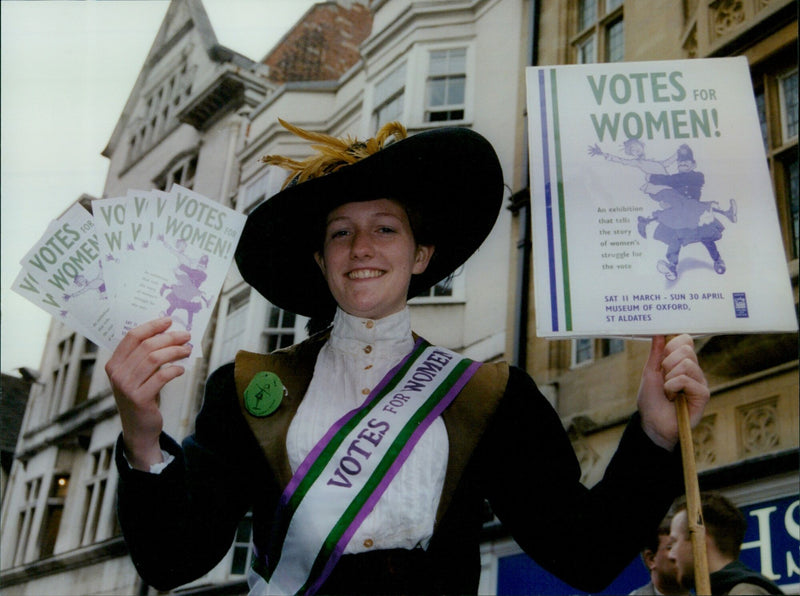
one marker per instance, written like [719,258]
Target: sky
[66,69]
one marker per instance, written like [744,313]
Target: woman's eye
[386,230]
[339,233]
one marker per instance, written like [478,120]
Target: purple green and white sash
[345,474]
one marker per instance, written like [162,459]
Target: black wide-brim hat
[449,177]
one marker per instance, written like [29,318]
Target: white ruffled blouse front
[359,353]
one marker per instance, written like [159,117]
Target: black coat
[180,523]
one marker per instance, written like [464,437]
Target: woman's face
[369,256]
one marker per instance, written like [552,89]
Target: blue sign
[772,541]
[771,546]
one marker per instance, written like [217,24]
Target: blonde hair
[332,153]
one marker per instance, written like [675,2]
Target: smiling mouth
[365,273]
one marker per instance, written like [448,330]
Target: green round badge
[264,394]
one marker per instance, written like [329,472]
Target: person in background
[725,526]
[663,573]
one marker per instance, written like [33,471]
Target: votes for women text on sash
[344,476]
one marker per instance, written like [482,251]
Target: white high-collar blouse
[359,353]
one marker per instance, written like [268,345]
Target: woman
[365,454]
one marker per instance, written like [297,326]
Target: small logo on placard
[740,305]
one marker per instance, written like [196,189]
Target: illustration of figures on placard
[85,284]
[185,294]
[682,218]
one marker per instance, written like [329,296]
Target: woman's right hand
[137,374]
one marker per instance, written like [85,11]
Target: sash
[343,477]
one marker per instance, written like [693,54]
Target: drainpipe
[520,205]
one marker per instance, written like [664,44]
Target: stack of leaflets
[133,259]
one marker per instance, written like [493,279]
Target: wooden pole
[694,510]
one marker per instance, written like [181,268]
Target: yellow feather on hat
[332,152]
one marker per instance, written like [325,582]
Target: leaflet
[194,241]
[142,256]
[63,274]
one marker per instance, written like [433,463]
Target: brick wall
[323,45]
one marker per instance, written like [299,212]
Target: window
[85,371]
[761,108]
[611,346]
[450,289]
[615,42]
[582,351]
[264,187]
[585,350]
[235,325]
[59,373]
[389,94]
[157,114]
[279,329]
[52,515]
[99,518]
[242,552]
[445,87]
[600,31]
[791,173]
[788,97]
[66,380]
[776,96]
[587,13]
[27,512]
[181,172]
[586,51]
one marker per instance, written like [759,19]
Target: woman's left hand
[671,370]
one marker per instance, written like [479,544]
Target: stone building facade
[746,445]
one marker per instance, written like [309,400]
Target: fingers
[137,364]
[677,349]
[160,375]
[656,353]
[684,385]
[146,338]
[682,372]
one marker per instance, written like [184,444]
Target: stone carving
[725,15]
[758,427]
[705,447]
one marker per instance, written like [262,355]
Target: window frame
[457,295]
[158,109]
[786,137]
[607,14]
[261,188]
[247,546]
[384,99]
[781,152]
[99,489]
[181,170]
[414,89]
[447,77]
[597,349]
[577,347]
[27,518]
[52,515]
[268,331]
[240,300]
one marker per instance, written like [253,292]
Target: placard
[651,203]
